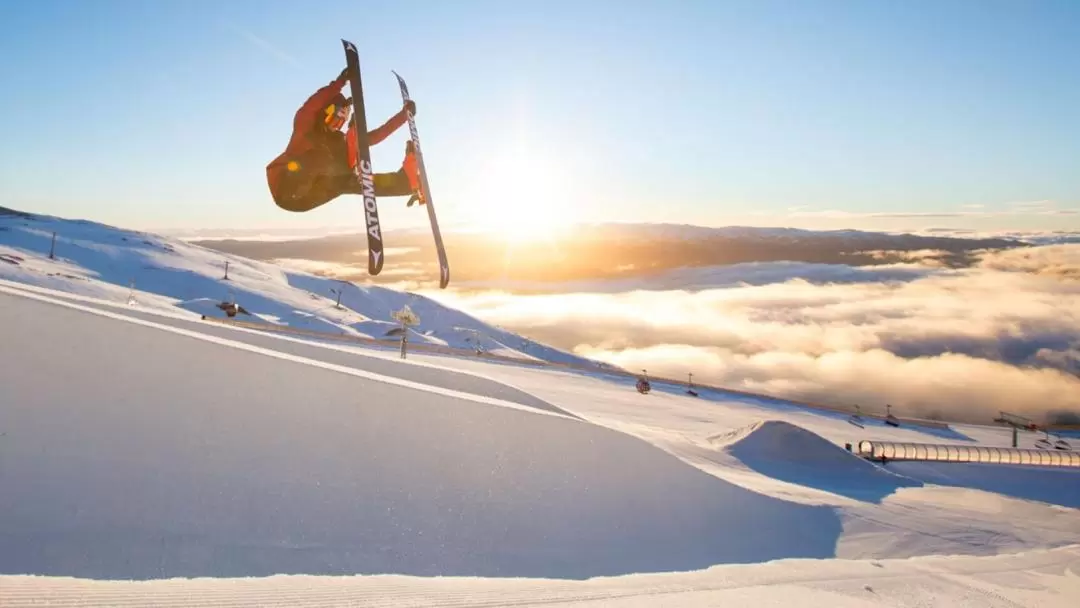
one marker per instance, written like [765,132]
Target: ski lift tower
[338,291]
[476,338]
[1017,423]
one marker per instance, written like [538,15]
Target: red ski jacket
[309,131]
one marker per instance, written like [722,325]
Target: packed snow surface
[151,458]
[261,466]
[159,273]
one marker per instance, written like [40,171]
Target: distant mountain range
[609,250]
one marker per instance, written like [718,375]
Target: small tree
[407,318]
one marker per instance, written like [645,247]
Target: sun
[521,198]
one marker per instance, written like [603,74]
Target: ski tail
[425,191]
[363,169]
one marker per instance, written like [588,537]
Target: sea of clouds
[957,344]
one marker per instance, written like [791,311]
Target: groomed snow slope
[329,459]
[972,509]
[1038,579]
[206,457]
[189,456]
[158,273]
[182,457]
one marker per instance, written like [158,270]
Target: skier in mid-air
[317,165]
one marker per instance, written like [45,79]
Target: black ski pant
[321,177]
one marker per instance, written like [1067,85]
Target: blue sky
[860,114]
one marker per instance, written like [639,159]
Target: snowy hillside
[154,272]
[149,457]
[207,465]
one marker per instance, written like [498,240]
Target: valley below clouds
[937,326]
[949,343]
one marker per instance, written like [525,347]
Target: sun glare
[521,199]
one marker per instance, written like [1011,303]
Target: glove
[410,107]
[344,75]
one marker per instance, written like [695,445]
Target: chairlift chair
[856,418]
[1043,443]
[889,418]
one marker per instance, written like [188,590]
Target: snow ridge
[159,273]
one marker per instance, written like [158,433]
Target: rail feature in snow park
[889,450]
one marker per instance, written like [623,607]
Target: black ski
[364,172]
[425,198]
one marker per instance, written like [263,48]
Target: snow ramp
[188,456]
[790,453]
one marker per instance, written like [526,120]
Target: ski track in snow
[1048,579]
[328,353]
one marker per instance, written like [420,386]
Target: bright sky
[165,114]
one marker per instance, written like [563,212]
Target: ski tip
[375,261]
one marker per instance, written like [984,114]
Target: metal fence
[878,450]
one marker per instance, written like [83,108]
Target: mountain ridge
[609,250]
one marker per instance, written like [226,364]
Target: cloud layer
[958,344]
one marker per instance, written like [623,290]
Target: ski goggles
[336,116]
